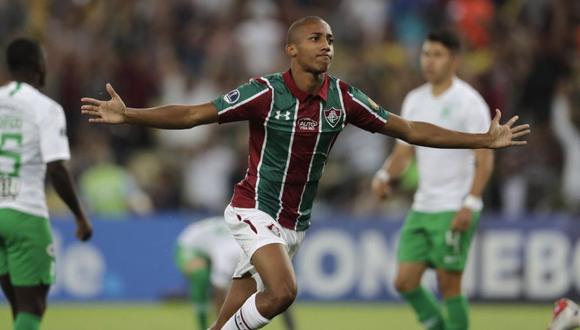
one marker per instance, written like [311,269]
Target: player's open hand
[505,135]
[106,112]
[84,229]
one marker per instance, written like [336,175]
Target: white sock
[247,317]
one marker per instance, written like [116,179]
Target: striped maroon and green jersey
[291,134]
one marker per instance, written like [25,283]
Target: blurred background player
[207,255]
[295,118]
[566,315]
[438,230]
[33,142]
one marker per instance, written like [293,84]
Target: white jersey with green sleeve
[446,175]
[32,133]
[213,238]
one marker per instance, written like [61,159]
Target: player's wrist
[383,176]
[473,203]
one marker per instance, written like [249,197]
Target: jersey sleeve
[53,138]
[479,118]
[363,112]
[246,102]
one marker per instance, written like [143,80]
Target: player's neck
[29,78]
[441,87]
[306,81]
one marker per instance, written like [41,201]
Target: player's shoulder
[420,92]
[467,91]
[39,99]
[417,94]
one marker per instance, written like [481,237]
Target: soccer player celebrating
[294,119]
[447,205]
[32,142]
[207,255]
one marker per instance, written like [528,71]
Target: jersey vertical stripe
[340,98]
[309,171]
[281,200]
[259,167]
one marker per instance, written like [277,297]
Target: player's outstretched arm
[114,111]
[62,182]
[429,135]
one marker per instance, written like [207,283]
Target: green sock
[457,313]
[27,321]
[199,292]
[426,308]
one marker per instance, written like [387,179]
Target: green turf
[309,317]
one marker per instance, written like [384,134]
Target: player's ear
[291,50]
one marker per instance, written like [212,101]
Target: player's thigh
[414,245]
[254,230]
[29,251]
[450,248]
[449,282]
[273,264]
[3,257]
[409,275]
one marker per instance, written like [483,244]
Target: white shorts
[253,229]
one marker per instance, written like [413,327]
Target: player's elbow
[412,134]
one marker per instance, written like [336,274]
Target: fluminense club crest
[332,116]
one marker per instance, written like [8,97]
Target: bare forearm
[483,170]
[172,116]
[429,135]
[399,160]
[63,185]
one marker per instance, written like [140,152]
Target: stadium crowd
[522,56]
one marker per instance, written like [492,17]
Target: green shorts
[26,249]
[425,237]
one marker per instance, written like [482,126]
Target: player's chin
[321,67]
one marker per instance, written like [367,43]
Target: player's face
[313,49]
[437,62]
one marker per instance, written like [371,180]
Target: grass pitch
[115,316]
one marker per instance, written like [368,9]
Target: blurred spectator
[110,191]
[566,126]
[189,51]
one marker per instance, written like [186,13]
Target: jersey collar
[301,95]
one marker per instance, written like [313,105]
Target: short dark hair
[291,34]
[24,55]
[448,38]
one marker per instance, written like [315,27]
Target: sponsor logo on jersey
[332,116]
[307,124]
[284,115]
[232,97]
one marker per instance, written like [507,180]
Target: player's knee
[36,308]
[283,296]
[405,284]
[449,286]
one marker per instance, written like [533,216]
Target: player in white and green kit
[32,142]
[294,119]
[446,208]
